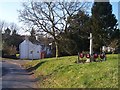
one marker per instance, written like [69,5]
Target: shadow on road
[4,71]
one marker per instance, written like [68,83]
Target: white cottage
[28,50]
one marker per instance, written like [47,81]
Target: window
[31,52]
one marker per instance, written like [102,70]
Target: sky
[9,13]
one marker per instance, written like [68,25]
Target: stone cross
[91,46]
[91,49]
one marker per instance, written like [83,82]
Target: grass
[65,73]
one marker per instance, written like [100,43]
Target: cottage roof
[35,42]
[26,37]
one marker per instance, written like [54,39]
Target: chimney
[36,38]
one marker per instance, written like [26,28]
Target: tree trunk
[56,45]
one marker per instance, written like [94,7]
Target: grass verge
[65,73]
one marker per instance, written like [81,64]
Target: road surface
[14,76]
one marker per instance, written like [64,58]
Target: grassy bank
[64,73]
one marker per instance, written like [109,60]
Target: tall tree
[10,42]
[7,31]
[14,32]
[104,23]
[77,33]
[50,17]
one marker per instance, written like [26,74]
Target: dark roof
[35,42]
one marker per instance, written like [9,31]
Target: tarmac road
[14,76]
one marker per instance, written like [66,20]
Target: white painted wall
[29,50]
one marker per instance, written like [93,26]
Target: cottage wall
[29,50]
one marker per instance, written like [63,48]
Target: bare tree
[13,26]
[3,26]
[50,17]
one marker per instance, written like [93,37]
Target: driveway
[14,76]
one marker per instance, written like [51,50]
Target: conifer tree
[104,23]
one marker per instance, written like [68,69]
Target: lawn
[65,73]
